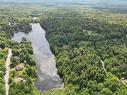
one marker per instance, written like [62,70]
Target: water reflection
[45,60]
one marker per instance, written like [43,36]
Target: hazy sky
[90,1]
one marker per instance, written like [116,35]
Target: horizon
[66,1]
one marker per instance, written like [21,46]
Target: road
[7,66]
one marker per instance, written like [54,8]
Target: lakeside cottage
[19,67]
[19,79]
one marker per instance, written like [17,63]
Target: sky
[66,1]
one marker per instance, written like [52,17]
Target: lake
[45,60]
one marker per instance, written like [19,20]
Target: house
[18,79]
[19,67]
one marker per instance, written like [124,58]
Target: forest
[89,45]
[90,49]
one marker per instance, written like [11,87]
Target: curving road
[6,77]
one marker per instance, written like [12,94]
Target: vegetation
[90,49]
[4,44]
[3,54]
[23,68]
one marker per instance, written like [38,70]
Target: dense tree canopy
[90,49]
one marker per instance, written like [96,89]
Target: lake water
[45,60]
